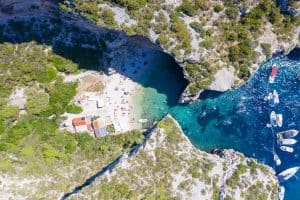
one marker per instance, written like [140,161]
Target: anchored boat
[273,119]
[286,141]
[287,134]
[276,97]
[277,159]
[281,191]
[288,173]
[273,98]
[287,149]
[279,119]
[273,74]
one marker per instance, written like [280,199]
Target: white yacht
[281,191]
[277,160]
[279,119]
[288,173]
[287,134]
[275,97]
[287,149]
[273,119]
[270,99]
[286,141]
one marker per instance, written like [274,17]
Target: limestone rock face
[168,165]
[195,41]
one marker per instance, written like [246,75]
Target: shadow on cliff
[91,47]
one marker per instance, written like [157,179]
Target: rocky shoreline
[232,174]
[109,47]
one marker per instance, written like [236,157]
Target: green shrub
[9,112]
[187,8]
[232,12]
[207,44]
[198,28]
[60,95]
[51,154]
[163,40]
[63,65]
[243,72]
[202,4]
[108,17]
[75,109]
[46,75]
[266,48]
[37,101]
[218,8]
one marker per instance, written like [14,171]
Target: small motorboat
[275,97]
[279,119]
[277,159]
[273,74]
[273,119]
[281,191]
[270,99]
[286,141]
[288,173]
[143,120]
[287,134]
[286,149]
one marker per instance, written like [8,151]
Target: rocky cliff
[220,44]
[168,166]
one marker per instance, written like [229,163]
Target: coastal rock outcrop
[168,166]
[206,37]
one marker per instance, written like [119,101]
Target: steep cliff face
[207,38]
[69,35]
[168,166]
[218,44]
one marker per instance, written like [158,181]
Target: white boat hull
[287,134]
[287,141]
[288,173]
[287,149]
[277,160]
[279,120]
[281,191]
[273,119]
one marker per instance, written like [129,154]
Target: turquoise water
[235,119]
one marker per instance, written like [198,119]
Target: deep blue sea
[235,119]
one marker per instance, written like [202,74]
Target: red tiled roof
[89,127]
[96,124]
[78,121]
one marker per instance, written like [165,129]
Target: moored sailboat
[288,173]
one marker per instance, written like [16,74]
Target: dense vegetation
[32,136]
[226,31]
